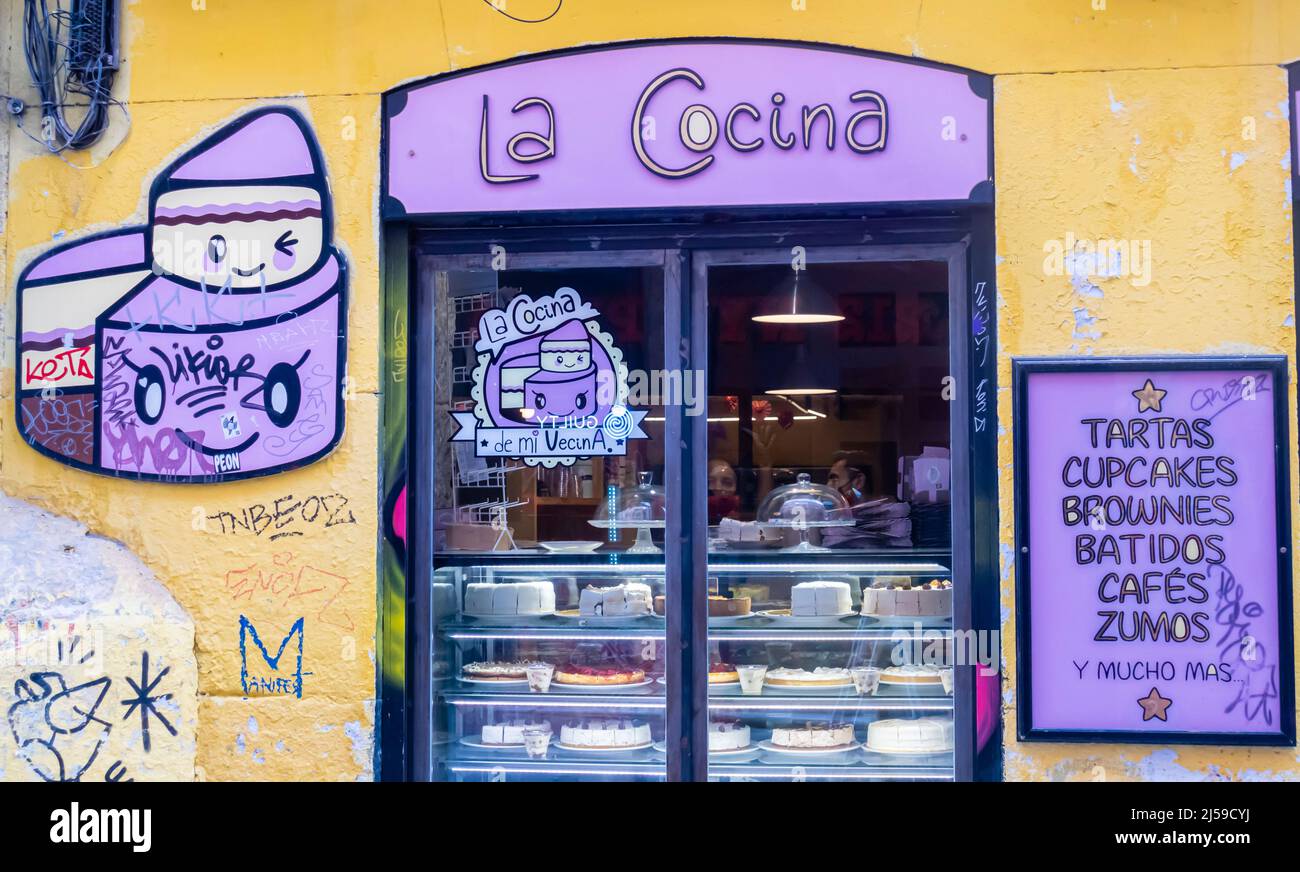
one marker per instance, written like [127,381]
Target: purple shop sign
[1152,598]
[687,123]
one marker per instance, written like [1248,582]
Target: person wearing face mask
[724,502]
[848,477]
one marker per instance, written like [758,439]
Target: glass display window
[760,574]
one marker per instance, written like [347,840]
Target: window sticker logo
[549,387]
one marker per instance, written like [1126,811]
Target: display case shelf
[650,698]
[847,561]
[860,772]
[650,765]
[555,769]
[770,633]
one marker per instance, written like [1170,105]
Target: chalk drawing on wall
[207,345]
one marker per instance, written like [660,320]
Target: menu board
[1153,574]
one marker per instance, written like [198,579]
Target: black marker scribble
[1259,688]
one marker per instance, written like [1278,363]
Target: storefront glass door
[549,500]
[829,472]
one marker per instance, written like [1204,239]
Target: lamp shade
[809,370]
[798,300]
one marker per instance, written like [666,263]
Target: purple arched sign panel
[686,124]
[1153,588]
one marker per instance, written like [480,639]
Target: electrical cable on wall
[72,63]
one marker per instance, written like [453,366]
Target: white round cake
[914,675]
[822,676]
[510,732]
[822,737]
[605,734]
[910,736]
[496,670]
[728,736]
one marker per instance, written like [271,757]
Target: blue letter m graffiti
[280,682]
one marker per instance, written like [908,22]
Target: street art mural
[207,345]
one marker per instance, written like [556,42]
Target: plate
[767,745]
[470,743]
[576,615]
[496,682]
[572,547]
[912,691]
[828,689]
[906,622]
[737,545]
[927,754]
[505,620]
[735,620]
[574,749]
[783,616]
[599,688]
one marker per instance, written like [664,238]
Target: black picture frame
[1022,369]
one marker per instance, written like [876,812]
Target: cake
[913,675]
[731,530]
[510,598]
[496,670]
[822,676]
[719,606]
[757,594]
[723,673]
[565,384]
[444,599]
[728,607]
[510,732]
[567,348]
[821,598]
[910,736]
[605,734]
[932,599]
[573,674]
[728,736]
[823,737]
[514,372]
[621,600]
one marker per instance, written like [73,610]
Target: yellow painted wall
[1123,122]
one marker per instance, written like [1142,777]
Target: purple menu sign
[687,123]
[1153,593]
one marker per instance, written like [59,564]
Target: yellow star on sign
[1149,397]
[1155,706]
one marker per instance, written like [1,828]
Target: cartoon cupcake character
[224,361]
[566,383]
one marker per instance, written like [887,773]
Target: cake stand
[644,543]
[804,546]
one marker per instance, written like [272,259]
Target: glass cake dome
[642,508]
[803,506]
